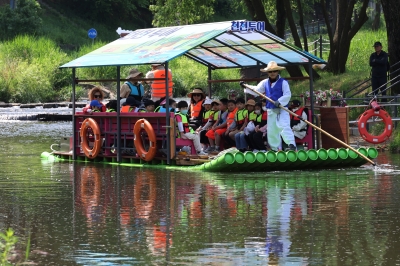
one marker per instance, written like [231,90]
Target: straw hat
[133,73]
[272,66]
[156,65]
[196,91]
[251,102]
[218,102]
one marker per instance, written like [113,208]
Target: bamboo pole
[314,126]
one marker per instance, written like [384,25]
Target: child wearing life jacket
[185,131]
[241,138]
[111,106]
[257,138]
[208,113]
[162,106]
[240,122]
[148,107]
[216,133]
[94,106]
[130,105]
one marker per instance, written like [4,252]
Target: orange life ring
[86,124]
[386,119]
[145,155]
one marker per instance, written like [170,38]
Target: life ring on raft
[151,153]
[362,126]
[90,152]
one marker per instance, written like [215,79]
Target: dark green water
[93,214]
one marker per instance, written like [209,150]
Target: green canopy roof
[211,44]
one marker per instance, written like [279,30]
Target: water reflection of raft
[236,161]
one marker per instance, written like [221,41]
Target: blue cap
[96,103]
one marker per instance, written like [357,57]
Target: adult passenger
[132,87]
[379,62]
[158,86]
[277,89]
[298,126]
[96,93]
[196,109]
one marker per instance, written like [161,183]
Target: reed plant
[7,243]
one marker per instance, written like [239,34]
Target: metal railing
[359,88]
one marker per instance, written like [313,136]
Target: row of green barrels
[290,160]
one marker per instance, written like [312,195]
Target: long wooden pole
[312,125]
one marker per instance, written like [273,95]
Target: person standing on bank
[379,63]
[158,86]
[277,89]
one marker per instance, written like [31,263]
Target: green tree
[346,28]
[391,9]
[181,12]
[25,19]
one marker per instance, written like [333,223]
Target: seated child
[207,121]
[94,106]
[185,131]
[162,107]
[218,130]
[298,126]
[148,107]
[240,122]
[130,105]
[111,106]
[241,137]
[258,136]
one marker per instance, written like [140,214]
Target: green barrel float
[302,158]
[372,153]
[312,158]
[223,162]
[358,160]
[291,159]
[332,157]
[266,160]
[239,164]
[322,156]
[281,159]
[45,155]
[250,160]
[342,156]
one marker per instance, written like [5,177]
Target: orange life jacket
[294,120]
[158,86]
[127,109]
[195,110]
[231,118]
[298,113]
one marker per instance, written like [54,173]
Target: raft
[236,161]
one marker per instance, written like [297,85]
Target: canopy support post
[168,125]
[209,83]
[118,115]
[73,115]
[310,71]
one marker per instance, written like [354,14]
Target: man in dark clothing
[380,66]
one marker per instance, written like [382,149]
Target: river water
[95,214]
